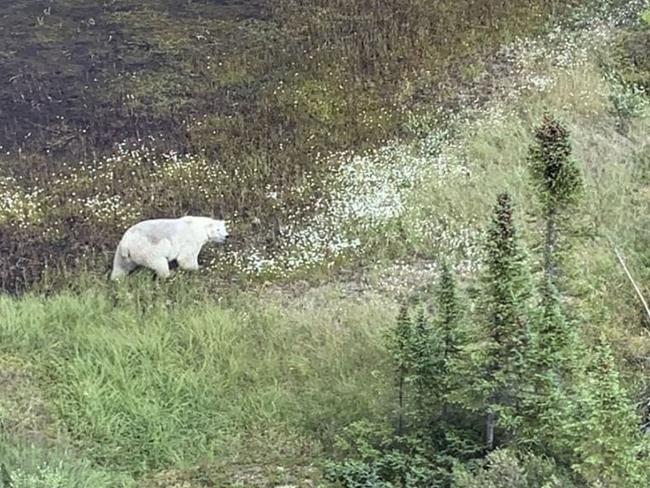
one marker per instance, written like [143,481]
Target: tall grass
[176,383]
[24,465]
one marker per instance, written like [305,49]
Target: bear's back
[156,229]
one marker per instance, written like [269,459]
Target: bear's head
[217,231]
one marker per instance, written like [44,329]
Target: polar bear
[154,243]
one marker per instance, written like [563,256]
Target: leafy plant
[645,17]
[505,467]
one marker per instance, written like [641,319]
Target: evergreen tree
[448,316]
[443,424]
[543,408]
[437,350]
[506,295]
[557,180]
[609,444]
[426,353]
[428,386]
[551,358]
[400,346]
[559,185]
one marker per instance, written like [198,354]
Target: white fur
[154,243]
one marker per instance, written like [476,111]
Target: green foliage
[416,354]
[506,294]
[507,468]
[375,458]
[400,341]
[645,17]
[433,430]
[628,99]
[28,466]
[611,449]
[551,367]
[45,477]
[514,364]
[142,384]
[550,357]
[559,185]
[400,344]
[628,72]
[530,375]
[437,349]
[448,315]
[555,336]
[555,174]
[427,366]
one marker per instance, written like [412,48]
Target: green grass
[149,384]
[27,466]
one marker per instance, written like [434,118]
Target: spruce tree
[558,183]
[551,358]
[451,339]
[609,444]
[448,312]
[427,384]
[424,356]
[543,410]
[400,345]
[506,295]
[437,348]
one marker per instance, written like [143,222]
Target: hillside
[140,109]
[355,149]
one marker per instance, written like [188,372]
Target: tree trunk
[550,245]
[489,430]
[400,418]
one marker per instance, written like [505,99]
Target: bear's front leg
[189,262]
[160,266]
[121,265]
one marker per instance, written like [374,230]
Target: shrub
[507,468]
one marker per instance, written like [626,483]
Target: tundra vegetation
[440,258]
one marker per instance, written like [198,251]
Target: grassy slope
[168,385]
[144,386]
[167,378]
